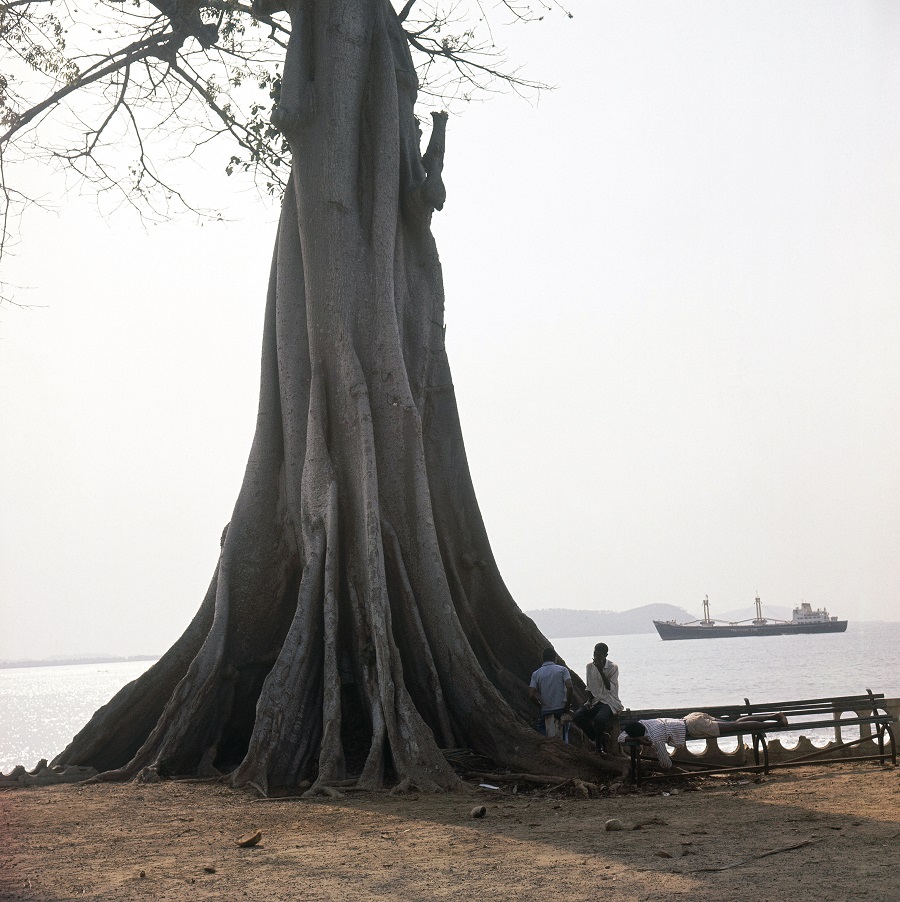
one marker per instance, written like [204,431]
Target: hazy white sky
[673,318]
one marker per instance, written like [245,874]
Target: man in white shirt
[551,688]
[595,715]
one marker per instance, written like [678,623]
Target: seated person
[594,716]
[659,732]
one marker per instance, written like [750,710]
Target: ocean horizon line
[76,659]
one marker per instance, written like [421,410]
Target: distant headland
[568,623]
[85,659]
[564,623]
[561,623]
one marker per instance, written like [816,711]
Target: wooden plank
[826,713]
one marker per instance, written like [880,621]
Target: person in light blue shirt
[551,688]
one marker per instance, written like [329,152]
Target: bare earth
[177,840]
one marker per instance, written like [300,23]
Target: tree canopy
[114,90]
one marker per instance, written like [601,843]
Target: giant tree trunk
[356,622]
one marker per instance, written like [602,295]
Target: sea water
[41,708]
[701,673]
[697,672]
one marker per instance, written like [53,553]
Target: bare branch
[195,71]
[401,16]
[130,55]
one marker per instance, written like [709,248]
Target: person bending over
[659,732]
[551,688]
[593,716]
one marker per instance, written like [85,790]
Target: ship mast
[706,619]
[759,616]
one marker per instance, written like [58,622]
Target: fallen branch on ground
[743,861]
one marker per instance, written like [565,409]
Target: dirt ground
[718,839]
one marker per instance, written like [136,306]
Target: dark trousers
[594,722]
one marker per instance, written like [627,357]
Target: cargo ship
[805,620]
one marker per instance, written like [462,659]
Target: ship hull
[732,631]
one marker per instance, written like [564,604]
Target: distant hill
[564,623]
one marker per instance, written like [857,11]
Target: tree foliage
[113,90]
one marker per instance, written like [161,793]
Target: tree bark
[357,622]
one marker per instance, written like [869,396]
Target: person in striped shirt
[660,732]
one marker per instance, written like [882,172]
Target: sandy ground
[716,840]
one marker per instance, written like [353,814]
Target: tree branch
[401,16]
[130,55]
